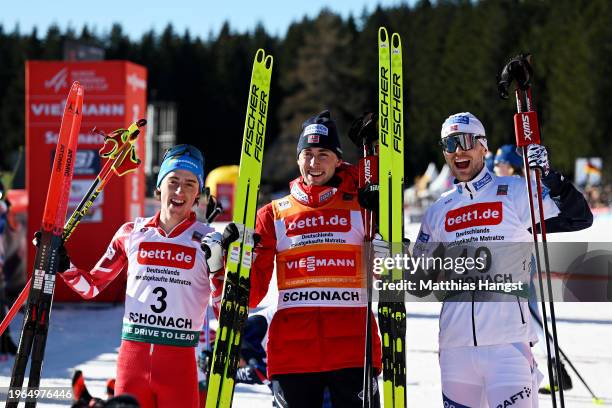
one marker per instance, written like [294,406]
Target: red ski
[36,319]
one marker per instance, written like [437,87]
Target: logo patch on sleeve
[502,189]
[423,237]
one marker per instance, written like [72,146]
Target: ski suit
[168,288]
[315,234]
[485,355]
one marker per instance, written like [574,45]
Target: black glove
[63,263]
[518,69]
[231,234]
[364,130]
[368,197]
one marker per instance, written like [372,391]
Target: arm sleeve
[565,208]
[89,283]
[574,212]
[217,279]
[263,264]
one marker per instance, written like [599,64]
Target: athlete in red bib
[169,284]
[316,338]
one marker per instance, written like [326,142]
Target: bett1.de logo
[332,220]
[474,215]
[165,254]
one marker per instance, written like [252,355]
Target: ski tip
[396,41]
[141,122]
[260,55]
[77,89]
[268,62]
[382,34]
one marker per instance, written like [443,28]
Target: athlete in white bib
[169,284]
[485,355]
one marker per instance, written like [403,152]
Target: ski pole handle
[116,157]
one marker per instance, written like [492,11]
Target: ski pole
[36,319]
[115,165]
[16,306]
[117,158]
[217,208]
[364,134]
[527,132]
[596,399]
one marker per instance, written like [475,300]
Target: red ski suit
[167,292]
[315,236]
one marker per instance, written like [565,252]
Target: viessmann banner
[115,96]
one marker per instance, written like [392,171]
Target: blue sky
[200,17]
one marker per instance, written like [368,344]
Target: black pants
[305,390]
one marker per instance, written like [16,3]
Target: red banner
[115,96]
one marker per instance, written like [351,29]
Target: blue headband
[183,162]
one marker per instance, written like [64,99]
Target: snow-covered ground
[87,336]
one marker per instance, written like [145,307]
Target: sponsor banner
[55,77]
[328,220]
[166,254]
[50,138]
[321,297]
[48,111]
[115,96]
[490,213]
[158,335]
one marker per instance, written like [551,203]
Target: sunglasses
[184,149]
[467,141]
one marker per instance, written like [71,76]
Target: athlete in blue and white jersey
[485,354]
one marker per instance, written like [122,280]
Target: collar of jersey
[477,185]
[312,196]
[177,230]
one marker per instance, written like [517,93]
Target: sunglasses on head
[467,141]
[183,149]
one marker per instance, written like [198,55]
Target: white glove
[538,158]
[381,248]
[212,247]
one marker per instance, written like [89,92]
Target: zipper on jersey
[473,321]
[520,310]
[469,191]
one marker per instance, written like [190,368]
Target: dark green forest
[453,51]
